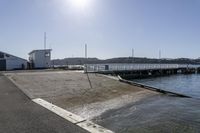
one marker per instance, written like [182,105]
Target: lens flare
[81,4]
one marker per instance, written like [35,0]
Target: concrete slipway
[117,106]
[18,114]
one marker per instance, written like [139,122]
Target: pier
[131,71]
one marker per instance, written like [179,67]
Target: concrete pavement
[18,114]
[71,91]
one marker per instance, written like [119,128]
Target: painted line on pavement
[75,119]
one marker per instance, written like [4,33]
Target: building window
[47,54]
[7,55]
[1,55]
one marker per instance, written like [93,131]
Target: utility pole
[45,40]
[86,51]
[160,58]
[133,53]
[159,54]
[86,69]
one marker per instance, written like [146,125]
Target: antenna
[85,50]
[160,58]
[159,54]
[133,53]
[45,40]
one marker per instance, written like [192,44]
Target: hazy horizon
[110,28]
[123,57]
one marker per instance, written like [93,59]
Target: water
[184,84]
[159,113]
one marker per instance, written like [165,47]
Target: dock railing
[134,67]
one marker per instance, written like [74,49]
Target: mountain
[74,61]
[81,61]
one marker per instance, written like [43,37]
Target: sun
[81,4]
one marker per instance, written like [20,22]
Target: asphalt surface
[18,114]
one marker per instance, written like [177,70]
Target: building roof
[13,55]
[40,50]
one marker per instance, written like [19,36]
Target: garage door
[2,65]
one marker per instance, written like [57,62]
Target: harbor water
[184,84]
[161,113]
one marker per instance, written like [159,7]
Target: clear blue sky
[111,28]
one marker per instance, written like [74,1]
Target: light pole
[86,51]
[133,54]
[45,40]
[160,59]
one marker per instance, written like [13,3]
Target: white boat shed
[40,59]
[11,62]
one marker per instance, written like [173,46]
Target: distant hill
[74,61]
[81,61]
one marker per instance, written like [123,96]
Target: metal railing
[129,67]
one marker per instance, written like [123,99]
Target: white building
[40,59]
[11,62]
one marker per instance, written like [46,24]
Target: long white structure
[11,62]
[40,58]
[134,67]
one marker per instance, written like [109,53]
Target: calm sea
[184,84]
[160,113]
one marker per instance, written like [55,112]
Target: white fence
[136,67]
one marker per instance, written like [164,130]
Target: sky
[110,28]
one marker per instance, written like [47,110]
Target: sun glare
[81,4]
